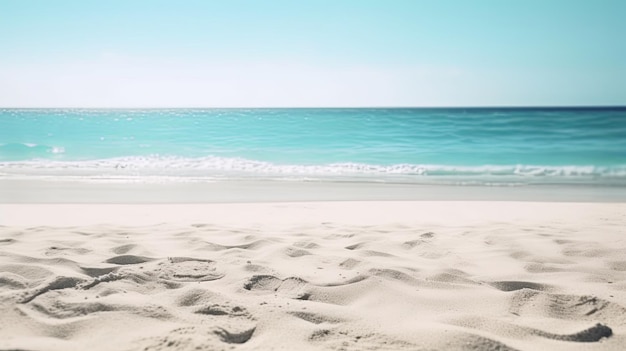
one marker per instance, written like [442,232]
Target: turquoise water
[501,146]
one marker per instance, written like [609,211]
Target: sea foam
[214,167]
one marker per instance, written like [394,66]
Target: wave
[224,168]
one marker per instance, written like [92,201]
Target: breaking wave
[224,168]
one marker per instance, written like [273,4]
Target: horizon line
[305,107]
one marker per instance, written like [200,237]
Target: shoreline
[56,191]
[285,214]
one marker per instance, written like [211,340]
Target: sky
[324,53]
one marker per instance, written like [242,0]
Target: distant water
[494,146]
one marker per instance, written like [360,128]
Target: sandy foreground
[372,275]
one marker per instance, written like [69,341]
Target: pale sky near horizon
[237,53]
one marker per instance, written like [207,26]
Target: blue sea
[460,146]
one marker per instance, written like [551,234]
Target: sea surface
[460,146]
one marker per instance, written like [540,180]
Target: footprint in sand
[300,289]
[223,321]
[186,269]
[571,307]
[206,302]
[170,273]
[293,287]
[198,338]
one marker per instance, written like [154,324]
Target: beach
[313,275]
[313,229]
[312,175]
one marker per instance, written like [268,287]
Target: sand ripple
[332,286]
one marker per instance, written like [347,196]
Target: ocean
[457,146]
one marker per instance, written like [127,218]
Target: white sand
[326,275]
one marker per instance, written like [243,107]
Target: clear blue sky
[228,53]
